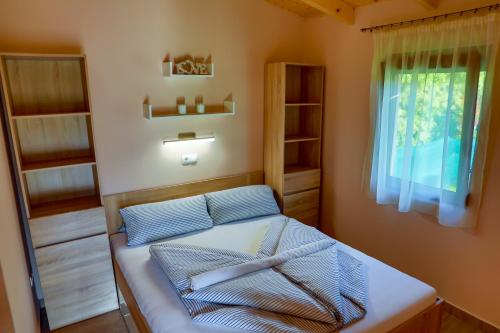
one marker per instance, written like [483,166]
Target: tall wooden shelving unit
[292,137]
[50,123]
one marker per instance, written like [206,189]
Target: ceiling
[343,10]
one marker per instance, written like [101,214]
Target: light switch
[189,159]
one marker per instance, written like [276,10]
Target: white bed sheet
[393,297]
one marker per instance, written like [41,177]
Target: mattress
[393,297]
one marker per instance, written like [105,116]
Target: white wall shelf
[227,108]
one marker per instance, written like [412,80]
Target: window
[431,93]
[433,126]
[434,165]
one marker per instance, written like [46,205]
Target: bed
[403,304]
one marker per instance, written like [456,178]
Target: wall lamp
[190,136]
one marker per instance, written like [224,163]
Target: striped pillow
[241,203]
[149,222]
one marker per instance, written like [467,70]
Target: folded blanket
[298,282]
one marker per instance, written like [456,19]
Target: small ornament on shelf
[200,107]
[181,105]
[188,66]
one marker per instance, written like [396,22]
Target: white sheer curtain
[431,103]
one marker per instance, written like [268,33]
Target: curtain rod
[421,20]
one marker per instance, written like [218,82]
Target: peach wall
[463,265]
[12,257]
[125,42]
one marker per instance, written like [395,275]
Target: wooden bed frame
[427,321]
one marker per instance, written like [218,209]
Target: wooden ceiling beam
[429,4]
[336,8]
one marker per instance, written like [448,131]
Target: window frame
[468,62]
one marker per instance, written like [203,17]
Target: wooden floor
[113,323]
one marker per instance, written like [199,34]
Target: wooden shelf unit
[293,137]
[50,120]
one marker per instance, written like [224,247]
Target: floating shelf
[226,109]
[55,164]
[51,115]
[168,71]
[64,206]
[300,138]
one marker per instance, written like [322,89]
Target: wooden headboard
[113,202]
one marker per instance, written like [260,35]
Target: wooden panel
[309,217]
[63,206]
[69,226]
[53,138]
[77,280]
[274,128]
[428,321]
[357,3]
[6,324]
[429,4]
[336,8]
[45,85]
[299,181]
[139,320]
[303,206]
[114,202]
[297,7]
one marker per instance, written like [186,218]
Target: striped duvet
[297,282]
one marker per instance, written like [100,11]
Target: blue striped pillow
[149,222]
[241,203]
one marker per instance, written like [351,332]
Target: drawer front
[303,206]
[77,280]
[69,226]
[300,181]
[309,217]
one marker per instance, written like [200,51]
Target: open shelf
[302,123]
[58,189]
[44,85]
[52,164]
[228,108]
[300,138]
[305,154]
[50,115]
[301,104]
[54,141]
[304,85]
[64,206]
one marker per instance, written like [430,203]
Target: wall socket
[189,159]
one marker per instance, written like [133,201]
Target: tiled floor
[113,323]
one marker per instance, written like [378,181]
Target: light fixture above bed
[190,136]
